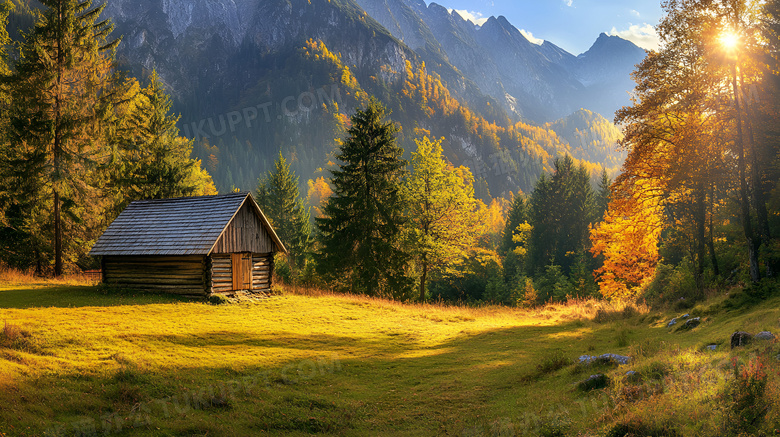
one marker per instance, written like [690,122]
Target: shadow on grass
[75,296]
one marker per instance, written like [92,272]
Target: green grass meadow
[85,360]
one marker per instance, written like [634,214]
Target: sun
[729,40]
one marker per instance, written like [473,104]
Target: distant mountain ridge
[248,80]
[535,82]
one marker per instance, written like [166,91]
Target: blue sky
[571,24]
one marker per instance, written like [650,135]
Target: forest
[694,209]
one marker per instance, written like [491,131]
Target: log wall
[185,275]
[262,271]
[221,272]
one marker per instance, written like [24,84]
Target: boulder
[712,347]
[740,338]
[692,323]
[672,322]
[685,316]
[594,382]
[605,359]
[765,335]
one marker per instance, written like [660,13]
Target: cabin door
[242,270]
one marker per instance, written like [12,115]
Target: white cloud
[530,37]
[474,17]
[568,2]
[635,13]
[644,36]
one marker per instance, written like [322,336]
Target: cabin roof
[179,226]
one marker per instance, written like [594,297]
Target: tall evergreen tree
[518,215]
[155,161]
[561,211]
[362,225]
[602,196]
[278,197]
[60,91]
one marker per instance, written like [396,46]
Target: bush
[218,299]
[595,382]
[745,401]
[552,362]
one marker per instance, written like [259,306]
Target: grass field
[82,360]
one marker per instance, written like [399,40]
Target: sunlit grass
[310,361]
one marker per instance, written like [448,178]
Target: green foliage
[278,198]
[441,211]
[552,284]
[154,161]
[470,280]
[361,230]
[562,208]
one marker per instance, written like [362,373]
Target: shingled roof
[180,226]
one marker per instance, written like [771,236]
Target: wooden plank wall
[185,275]
[262,271]
[221,278]
[245,233]
[221,274]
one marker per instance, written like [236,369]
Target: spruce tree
[278,197]
[155,160]
[361,229]
[518,215]
[60,92]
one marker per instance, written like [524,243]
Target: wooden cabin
[193,246]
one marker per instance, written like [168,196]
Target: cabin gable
[244,234]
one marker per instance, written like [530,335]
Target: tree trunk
[423,278]
[711,240]
[747,226]
[57,151]
[700,217]
[759,201]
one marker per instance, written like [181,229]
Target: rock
[765,335]
[672,322]
[594,382]
[712,347]
[740,338]
[685,316]
[630,373]
[692,323]
[605,359]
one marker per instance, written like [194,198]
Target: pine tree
[361,229]
[602,196]
[60,91]
[278,197]
[441,209]
[155,161]
[517,216]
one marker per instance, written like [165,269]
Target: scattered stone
[605,359]
[712,347]
[692,323]
[777,357]
[685,316]
[594,382]
[765,335]
[672,322]
[630,373]
[740,338]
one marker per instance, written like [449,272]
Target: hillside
[75,359]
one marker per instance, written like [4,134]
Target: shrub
[14,337]
[218,299]
[745,401]
[552,362]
